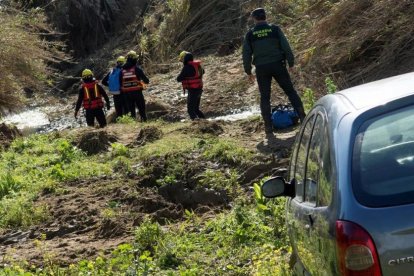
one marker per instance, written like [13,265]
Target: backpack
[114,83]
[284,116]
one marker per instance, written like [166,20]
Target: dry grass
[196,26]
[364,40]
[23,55]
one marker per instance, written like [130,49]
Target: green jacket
[267,44]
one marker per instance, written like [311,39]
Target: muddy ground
[92,217]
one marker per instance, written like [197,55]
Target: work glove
[108,106]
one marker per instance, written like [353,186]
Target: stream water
[60,117]
[42,119]
[238,114]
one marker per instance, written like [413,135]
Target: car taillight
[357,255]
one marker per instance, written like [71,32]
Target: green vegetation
[227,180]
[227,151]
[126,119]
[309,99]
[251,237]
[330,85]
[38,164]
[238,242]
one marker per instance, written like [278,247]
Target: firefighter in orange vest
[90,94]
[133,81]
[191,77]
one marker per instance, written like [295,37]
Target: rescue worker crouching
[133,81]
[113,82]
[191,77]
[90,94]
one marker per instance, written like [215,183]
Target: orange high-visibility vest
[130,82]
[196,81]
[92,99]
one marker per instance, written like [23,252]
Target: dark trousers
[193,103]
[136,99]
[278,71]
[98,113]
[119,105]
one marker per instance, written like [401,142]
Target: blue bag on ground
[284,116]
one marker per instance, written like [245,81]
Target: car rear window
[383,160]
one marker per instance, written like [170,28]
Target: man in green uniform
[267,48]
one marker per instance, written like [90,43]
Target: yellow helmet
[182,55]
[132,54]
[87,73]
[121,59]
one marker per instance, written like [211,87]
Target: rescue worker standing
[191,77]
[90,94]
[113,82]
[133,80]
[267,48]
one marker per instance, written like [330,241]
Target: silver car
[351,183]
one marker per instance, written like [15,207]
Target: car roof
[379,92]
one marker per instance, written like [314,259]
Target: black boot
[301,113]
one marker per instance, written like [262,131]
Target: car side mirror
[276,187]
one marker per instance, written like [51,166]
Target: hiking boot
[301,114]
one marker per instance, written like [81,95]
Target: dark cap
[259,14]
